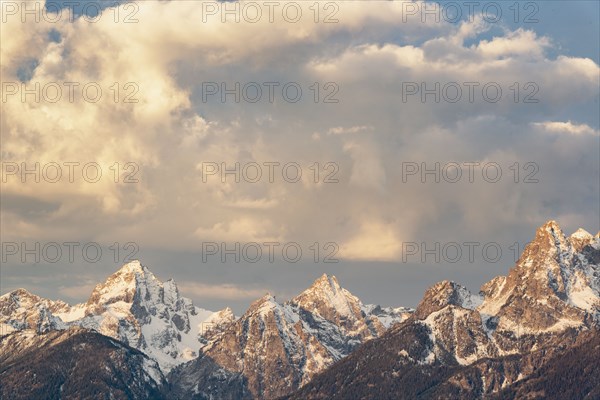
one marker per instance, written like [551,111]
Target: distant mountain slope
[461,345]
[274,348]
[132,305]
[572,375]
[74,364]
[530,334]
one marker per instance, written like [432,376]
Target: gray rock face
[554,286]
[20,310]
[275,348]
[460,345]
[271,350]
[455,345]
[132,306]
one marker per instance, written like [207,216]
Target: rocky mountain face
[271,350]
[473,346]
[572,374]
[132,306]
[75,364]
[519,337]
[21,310]
[275,348]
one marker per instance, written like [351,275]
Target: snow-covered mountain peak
[325,287]
[133,266]
[21,309]
[550,234]
[327,282]
[581,234]
[20,296]
[132,305]
[555,283]
[551,226]
[219,318]
[263,305]
[275,346]
[547,252]
[551,258]
[447,293]
[20,292]
[554,286]
[328,299]
[581,238]
[123,285]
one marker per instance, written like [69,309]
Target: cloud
[517,43]
[368,135]
[338,130]
[375,241]
[220,291]
[240,230]
[569,128]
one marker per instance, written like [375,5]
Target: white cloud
[374,241]
[368,134]
[339,130]
[568,127]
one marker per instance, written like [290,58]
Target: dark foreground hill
[74,364]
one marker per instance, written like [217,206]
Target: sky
[392,144]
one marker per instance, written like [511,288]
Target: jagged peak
[325,285]
[267,301]
[493,286]
[551,224]
[550,244]
[133,266]
[580,238]
[328,299]
[581,234]
[549,240]
[132,271]
[446,293]
[123,284]
[550,229]
[327,281]
[170,284]
[224,314]
[446,287]
[20,293]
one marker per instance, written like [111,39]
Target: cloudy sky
[378,134]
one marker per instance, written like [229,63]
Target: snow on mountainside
[463,345]
[554,285]
[20,310]
[326,299]
[132,305]
[75,363]
[275,348]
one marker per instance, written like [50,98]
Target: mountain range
[137,337]
[488,345]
